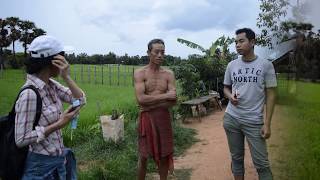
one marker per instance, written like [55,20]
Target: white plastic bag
[112,129]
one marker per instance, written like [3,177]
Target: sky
[126,26]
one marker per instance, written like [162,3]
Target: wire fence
[105,74]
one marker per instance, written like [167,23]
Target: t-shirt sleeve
[270,76]
[227,76]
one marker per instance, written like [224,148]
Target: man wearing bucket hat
[47,157]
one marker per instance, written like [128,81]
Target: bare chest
[156,83]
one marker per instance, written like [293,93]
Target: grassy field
[300,156]
[96,158]
[107,74]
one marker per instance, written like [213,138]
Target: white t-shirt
[250,80]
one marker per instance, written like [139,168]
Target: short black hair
[154,41]
[249,33]
[35,65]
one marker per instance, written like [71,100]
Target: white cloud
[100,26]
[313,13]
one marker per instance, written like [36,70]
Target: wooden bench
[197,105]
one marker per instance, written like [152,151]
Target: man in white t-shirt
[249,83]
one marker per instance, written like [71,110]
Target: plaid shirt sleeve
[65,94]
[25,108]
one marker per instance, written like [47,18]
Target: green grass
[108,74]
[302,121]
[10,83]
[96,158]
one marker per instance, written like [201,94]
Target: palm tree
[26,34]
[15,33]
[29,33]
[4,40]
[37,32]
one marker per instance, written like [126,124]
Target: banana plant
[218,48]
[192,45]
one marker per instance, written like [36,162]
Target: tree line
[13,29]
[112,58]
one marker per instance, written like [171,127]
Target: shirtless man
[156,93]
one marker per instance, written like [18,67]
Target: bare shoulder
[167,71]
[140,72]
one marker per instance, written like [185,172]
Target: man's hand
[265,131]
[61,63]
[172,95]
[234,100]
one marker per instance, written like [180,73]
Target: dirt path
[209,159]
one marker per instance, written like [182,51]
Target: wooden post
[88,71]
[132,76]
[118,74]
[75,73]
[125,76]
[95,74]
[109,74]
[81,74]
[102,74]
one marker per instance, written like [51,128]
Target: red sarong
[155,136]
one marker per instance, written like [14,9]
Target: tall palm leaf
[219,48]
[214,49]
[192,45]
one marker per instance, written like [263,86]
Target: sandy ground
[209,159]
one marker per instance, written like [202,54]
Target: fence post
[101,73]
[81,74]
[109,74]
[88,72]
[132,79]
[95,74]
[118,74]
[75,73]
[125,76]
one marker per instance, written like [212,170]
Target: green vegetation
[96,158]
[301,119]
[107,74]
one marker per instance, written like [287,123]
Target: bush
[16,62]
[189,79]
